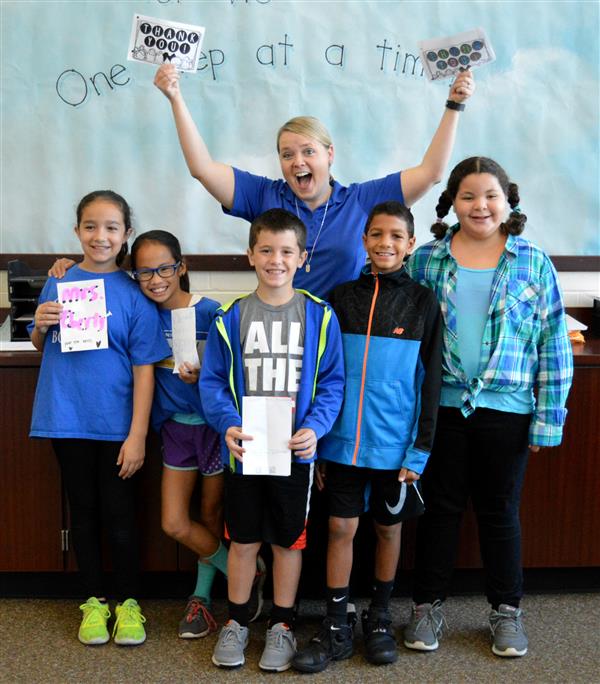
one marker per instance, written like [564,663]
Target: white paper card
[445,57]
[573,324]
[269,421]
[83,320]
[158,41]
[183,322]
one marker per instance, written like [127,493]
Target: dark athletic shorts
[268,508]
[191,447]
[350,488]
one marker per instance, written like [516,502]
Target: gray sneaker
[508,636]
[197,620]
[280,648]
[255,602]
[230,646]
[424,627]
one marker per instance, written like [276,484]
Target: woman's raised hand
[167,80]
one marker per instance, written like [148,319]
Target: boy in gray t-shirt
[276,341]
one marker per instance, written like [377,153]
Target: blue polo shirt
[339,253]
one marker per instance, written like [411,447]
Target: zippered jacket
[321,389]
[392,337]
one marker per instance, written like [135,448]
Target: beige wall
[578,288]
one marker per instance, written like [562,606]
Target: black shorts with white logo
[352,491]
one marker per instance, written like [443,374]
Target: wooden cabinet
[560,510]
[560,505]
[33,511]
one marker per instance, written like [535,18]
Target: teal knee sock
[219,559]
[204,580]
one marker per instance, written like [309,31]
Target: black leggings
[99,500]
[484,458]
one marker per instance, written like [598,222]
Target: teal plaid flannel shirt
[525,342]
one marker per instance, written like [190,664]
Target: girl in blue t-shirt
[334,215]
[95,404]
[190,446]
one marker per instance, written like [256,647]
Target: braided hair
[515,223]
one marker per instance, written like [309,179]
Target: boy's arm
[329,392]
[431,356]
[216,177]
[555,371]
[218,402]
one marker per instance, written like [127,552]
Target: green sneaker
[92,630]
[129,625]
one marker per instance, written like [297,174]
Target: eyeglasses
[145,274]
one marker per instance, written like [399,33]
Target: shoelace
[128,613]
[199,607]
[231,634]
[428,616]
[90,607]
[275,638]
[502,622]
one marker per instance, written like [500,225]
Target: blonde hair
[309,126]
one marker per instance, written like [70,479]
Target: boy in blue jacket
[378,447]
[276,341]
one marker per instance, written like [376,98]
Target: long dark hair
[117,200]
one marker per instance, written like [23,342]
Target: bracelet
[456,106]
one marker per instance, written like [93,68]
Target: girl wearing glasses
[190,446]
[94,405]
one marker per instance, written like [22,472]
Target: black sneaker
[333,642]
[380,644]
[351,615]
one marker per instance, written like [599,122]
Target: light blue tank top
[473,288]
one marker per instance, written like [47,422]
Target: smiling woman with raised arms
[333,214]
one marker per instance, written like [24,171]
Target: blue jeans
[482,457]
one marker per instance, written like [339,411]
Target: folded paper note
[268,420]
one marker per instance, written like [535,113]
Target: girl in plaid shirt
[504,336]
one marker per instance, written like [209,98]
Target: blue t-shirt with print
[89,394]
[336,236]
